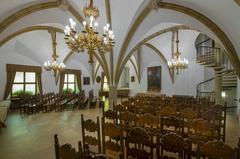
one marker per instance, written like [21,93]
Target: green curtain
[79,81]
[61,84]
[39,84]
[9,83]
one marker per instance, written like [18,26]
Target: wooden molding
[29,29]
[38,7]
[135,68]
[24,12]
[238,2]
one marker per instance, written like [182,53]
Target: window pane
[64,86]
[71,86]
[71,78]
[65,79]
[105,79]
[16,88]
[30,88]
[18,77]
[30,77]
[105,87]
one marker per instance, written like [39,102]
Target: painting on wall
[154,78]
[86,80]
[98,79]
[132,78]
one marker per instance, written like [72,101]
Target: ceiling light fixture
[89,39]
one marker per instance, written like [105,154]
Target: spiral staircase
[212,56]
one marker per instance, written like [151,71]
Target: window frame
[67,82]
[24,83]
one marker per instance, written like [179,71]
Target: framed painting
[132,78]
[98,79]
[86,80]
[154,78]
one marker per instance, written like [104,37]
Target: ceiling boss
[89,39]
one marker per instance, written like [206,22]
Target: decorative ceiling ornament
[154,4]
[178,63]
[54,65]
[89,39]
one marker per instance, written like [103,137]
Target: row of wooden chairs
[50,101]
[137,142]
[215,114]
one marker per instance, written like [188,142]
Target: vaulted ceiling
[131,20]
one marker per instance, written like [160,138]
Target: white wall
[186,81]
[209,73]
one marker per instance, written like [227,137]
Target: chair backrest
[141,139]
[149,120]
[171,124]
[91,127]
[188,114]
[110,115]
[203,130]
[173,143]
[112,138]
[65,151]
[127,118]
[168,111]
[217,149]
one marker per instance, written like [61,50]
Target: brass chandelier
[89,39]
[178,63]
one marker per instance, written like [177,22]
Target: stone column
[112,96]
[218,89]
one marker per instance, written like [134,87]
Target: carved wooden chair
[138,141]
[112,139]
[110,116]
[173,143]
[217,150]
[66,151]
[89,126]
[127,119]
[187,115]
[168,111]
[171,124]
[200,132]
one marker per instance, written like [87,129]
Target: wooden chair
[173,143]
[171,124]
[187,115]
[168,111]
[113,146]
[217,150]
[66,151]
[140,139]
[110,116]
[127,119]
[91,127]
[200,132]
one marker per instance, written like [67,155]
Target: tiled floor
[31,137]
